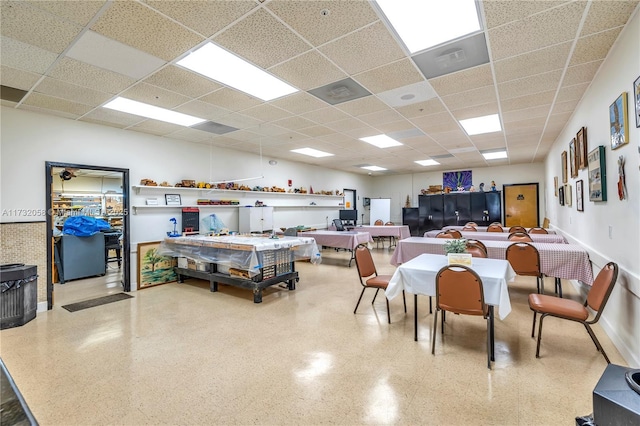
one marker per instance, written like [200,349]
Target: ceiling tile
[111,117]
[133,24]
[534,32]
[306,19]
[265,112]
[230,99]
[315,131]
[308,71]
[60,89]
[204,17]
[594,47]
[362,106]
[52,111]
[380,117]
[347,124]
[397,74]
[45,31]
[503,11]
[78,11]
[239,121]
[154,95]
[398,130]
[376,40]
[476,111]
[582,73]
[22,56]
[463,81]
[179,80]
[436,123]
[566,106]
[191,135]
[19,79]
[203,110]
[299,103]
[522,114]
[528,101]
[83,74]
[262,39]
[607,14]
[270,130]
[155,127]
[325,115]
[294,123]
[529,85]
[531,63]
[569,93]
[482,95]
[432,106]
[56,104]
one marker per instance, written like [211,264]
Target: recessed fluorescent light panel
[427,162]
[422,24]
[150,111]
[216,63]
[480,125]
[312,152]
[494,155]
[374,168]
[381,141]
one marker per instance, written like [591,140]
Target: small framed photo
[579,195]
[582,153]
[618,123]
[567,195]
[173,199]
[563,160]
[572,158]
[555,186]
[597,174]
[152,201]
[636,99]
[561,195]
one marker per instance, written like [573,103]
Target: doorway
[521,205]
[350,201]
[87,190]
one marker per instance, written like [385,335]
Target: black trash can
[18,294]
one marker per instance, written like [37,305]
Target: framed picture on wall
[581,147]
[618,122]
[561,195]
[597,175]
[153,268]
[572,158]
[563,164]
[579,199]
[555,186]
[567,195]
[636,99]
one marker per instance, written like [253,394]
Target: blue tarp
[83,226]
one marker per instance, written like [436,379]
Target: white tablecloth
[503,236]
[338,239]
[418,276]
[568,261]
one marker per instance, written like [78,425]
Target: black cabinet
[458,208]
[431,212]
[411,218]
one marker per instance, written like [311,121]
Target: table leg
[257,295]
[353,256]
[415,317]
[491,334]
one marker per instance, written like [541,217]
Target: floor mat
[96,302]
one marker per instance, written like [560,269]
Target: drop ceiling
[72,57]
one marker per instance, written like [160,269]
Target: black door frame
[49,165]
[354,201]
[504,199]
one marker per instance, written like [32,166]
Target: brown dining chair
[378,240]
[576,311]
[369,277]
[459,290]
[471,224]
[444,235]
[476,250]
[469,228]
[537,230]
[517,229]
[519,236]
[378,222]
[495,228]
[456,234]
[392,239]
[525,260]
[478,243]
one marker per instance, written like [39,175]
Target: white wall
[397,187]
[621,318]
[29,139]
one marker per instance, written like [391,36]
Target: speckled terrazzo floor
[178,354]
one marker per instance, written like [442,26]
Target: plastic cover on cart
[83,226]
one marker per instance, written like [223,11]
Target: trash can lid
[16,271]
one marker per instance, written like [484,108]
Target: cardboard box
[182,262]
[191,264]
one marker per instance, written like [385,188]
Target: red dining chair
[469,228]
[444,235]
[537,230]
[495,228]
[519,236]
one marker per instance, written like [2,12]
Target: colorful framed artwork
[597,175]
[563,161]
[567,195]
[555,186]
[572,158]
[153,268]
[636,99]
[579,195]
[561,195]
[618,123]
[581,147]
[457,181]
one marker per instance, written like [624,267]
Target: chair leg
[430,309]
[596,342]
[404,300]
[388,312]
[442,320]
[488,343]
[533,327]
[539,336]
[359,299]
[558,287]
[433,333]
[375,295]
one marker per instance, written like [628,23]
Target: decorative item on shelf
[148,182]
[622,184]
[259,203]
[310,189]
[186,184]
[472,188]
[481,186]
[493,186]
[407,202]
[175,232]
[447,190]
